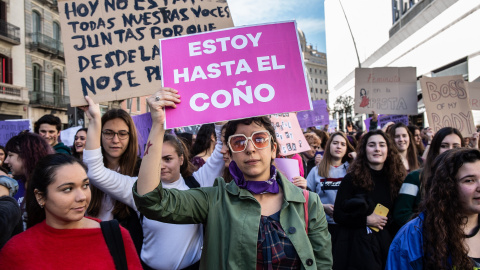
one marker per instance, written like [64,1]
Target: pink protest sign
[234,73]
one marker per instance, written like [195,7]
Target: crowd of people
[399,197]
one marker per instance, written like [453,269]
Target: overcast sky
[309,15]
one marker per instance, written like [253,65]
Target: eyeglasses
[238,143]
[109,134]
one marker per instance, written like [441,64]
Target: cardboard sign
[387,90]
[447,104]
[384,119]
[473,89]
[143,123]
[112,45]
[289,134]
[288,167]
[11,128]
[316,117]
[67,136]
[235,73]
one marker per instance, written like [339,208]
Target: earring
[41,205]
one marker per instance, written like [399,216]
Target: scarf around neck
[256,187]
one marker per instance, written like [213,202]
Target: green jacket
[232,218]
[408,199]
[62,148]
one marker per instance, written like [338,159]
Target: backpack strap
[306,194]
[113,238]
[191,182]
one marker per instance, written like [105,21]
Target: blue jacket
[406,250]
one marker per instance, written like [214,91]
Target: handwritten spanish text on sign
[112,45]
[447,104]
[387,90]
[473,89]
[289,134]
[235,73]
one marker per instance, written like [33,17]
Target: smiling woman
[374,178]
[260,204]
[57,198]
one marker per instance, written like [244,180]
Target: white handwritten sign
[386,90]
[447,104]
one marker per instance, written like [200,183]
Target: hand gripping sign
[235,73]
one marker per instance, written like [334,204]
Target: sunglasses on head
[238,142]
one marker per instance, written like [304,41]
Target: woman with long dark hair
[79,143]
[405,145]
[59,234]
[23,153]
[180,246]
[417,138]
[445,234]
[410,193]
[204,145]
[326,179]
[375,177]
[257,221]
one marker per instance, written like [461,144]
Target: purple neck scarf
[256,187]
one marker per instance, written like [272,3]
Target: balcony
[9,33]
[48,100]
[46,44]
[13,94]
[53,4]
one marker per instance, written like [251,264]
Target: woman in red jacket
[59,234]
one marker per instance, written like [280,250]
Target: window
[316,90]
[316,81]
[321,91]
[315,71]
[325,82]
[311,90]
[37,78]
[36,26]
[6,69]
[57,82]
[138,104]
[321,82]
[56,34]
[310,70]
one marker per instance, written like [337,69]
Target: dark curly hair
[443,236]
[263,121]
[393,165]
[49,119]
[411,150]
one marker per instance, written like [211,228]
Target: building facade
[13,93]
[434,36]
[45,68]
[316,65]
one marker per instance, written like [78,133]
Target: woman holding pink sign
[260,220]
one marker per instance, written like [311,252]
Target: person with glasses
[259,220]
[163,246]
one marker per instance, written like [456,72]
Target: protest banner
[447,104]
[67,136]
[289,134]
[316,117]
[143,123]
[387,90]
[10,128]
[235,73]
[384,119]
[111,46]
[473,89]
[288,167]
